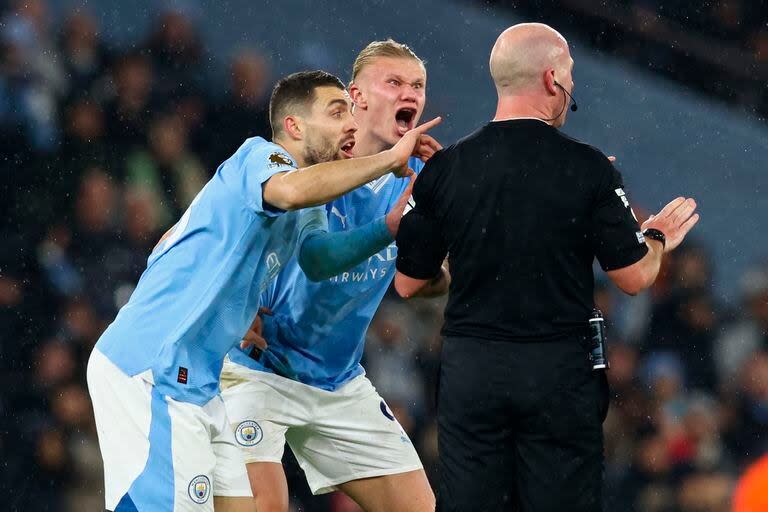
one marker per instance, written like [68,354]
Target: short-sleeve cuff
[624,259]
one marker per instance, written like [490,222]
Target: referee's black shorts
[520,427]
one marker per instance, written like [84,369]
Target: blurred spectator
[27,102]
[747,433]
[84,55]
[177,54]
[84,145]
[167,170]
[649,485]
[244,112]
[390,358]
[749,332]
[704,492]
[685,322]
[128,113]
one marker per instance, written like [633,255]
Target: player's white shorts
[160,454]
[337,436]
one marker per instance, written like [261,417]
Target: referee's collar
[519,119]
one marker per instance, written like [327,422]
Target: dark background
[112,115]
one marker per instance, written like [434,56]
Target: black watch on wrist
[655,234]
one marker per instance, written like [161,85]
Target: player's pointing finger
[429,125]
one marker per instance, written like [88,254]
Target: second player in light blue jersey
[308,387]
[153,375]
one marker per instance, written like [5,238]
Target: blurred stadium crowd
[103,149]
[716,46]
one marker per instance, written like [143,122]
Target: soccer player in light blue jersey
[308,387]
[154,373]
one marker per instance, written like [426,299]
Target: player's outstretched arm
[323,255]
[324,182]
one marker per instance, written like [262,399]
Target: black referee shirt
[522,210]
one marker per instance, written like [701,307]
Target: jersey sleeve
[421,248]
[616,236]
[415,164]
[256,167]
[312,221]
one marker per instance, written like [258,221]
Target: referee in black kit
[522,211]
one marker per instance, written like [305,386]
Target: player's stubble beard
[319,149]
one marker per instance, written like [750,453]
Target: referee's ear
[357,96]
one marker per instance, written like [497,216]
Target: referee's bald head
[523,53]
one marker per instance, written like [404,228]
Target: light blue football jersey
[317,333]
[204,281]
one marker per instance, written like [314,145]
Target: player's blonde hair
[387,48]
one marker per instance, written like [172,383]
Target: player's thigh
[157,451]
[269,486]
[230,475]
[231,504]
[122,407]
[353,435]
[261,441]
[193,456]
[259,415]
[404,492]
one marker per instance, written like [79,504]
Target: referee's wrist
[655,235]
[654,244]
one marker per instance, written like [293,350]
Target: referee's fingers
[684,211]
[688,224]
[671,207]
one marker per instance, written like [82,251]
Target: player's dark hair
[295,93]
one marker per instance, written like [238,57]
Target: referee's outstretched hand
[406,146]
[674,220]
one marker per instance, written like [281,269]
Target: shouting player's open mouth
[404,118]
[346,147]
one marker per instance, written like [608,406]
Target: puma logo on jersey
[343,218]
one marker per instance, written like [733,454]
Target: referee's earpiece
[574,106]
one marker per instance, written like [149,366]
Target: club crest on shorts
[249,433]
[199,489]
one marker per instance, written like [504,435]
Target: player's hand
[426,147]
[406,147]
[674,220]
[254,338]
[611,158]
[396,213]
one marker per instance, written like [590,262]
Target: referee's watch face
[389,95]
